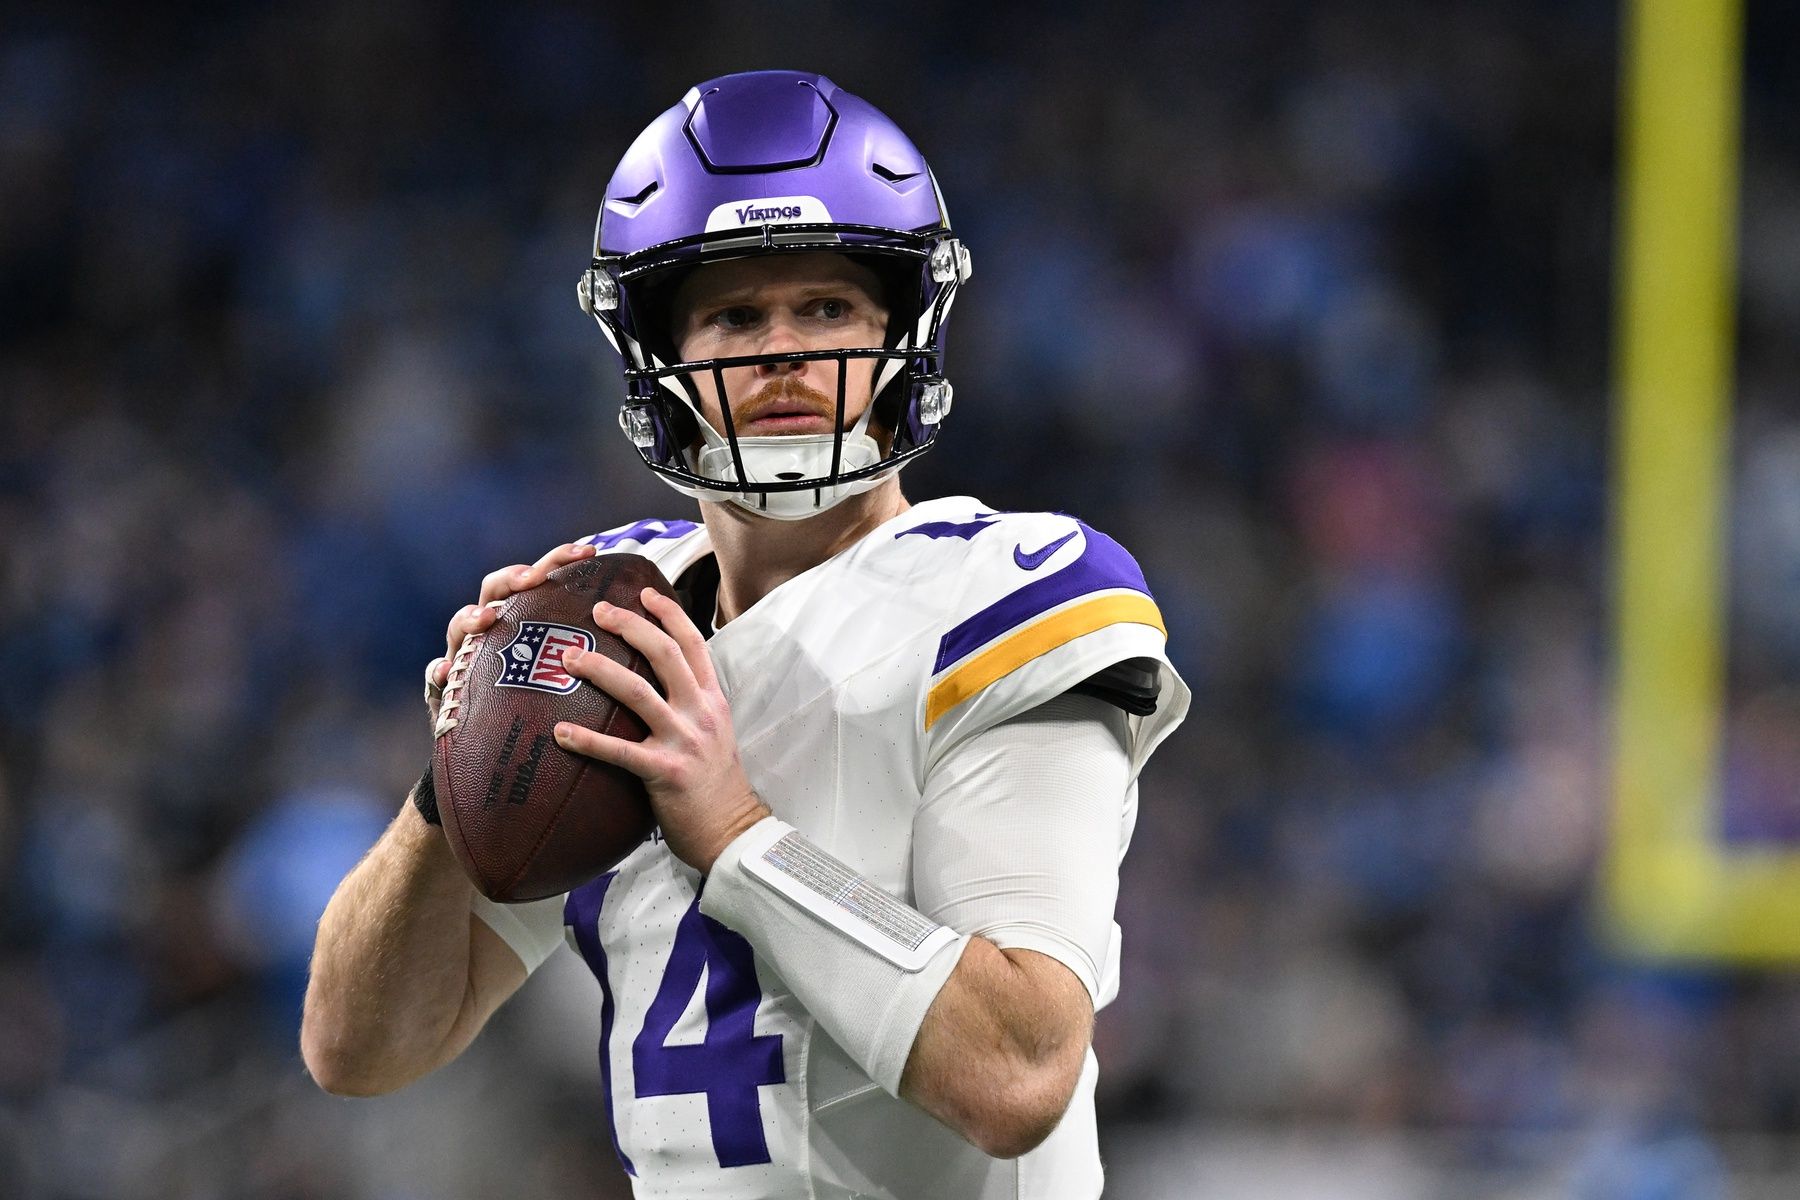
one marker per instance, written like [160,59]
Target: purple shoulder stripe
[1103,565]
[948,529]
[641,531]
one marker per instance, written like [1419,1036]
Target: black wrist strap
[424,798]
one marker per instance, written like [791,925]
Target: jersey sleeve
[1020,832]
[533,929]
[1042,608]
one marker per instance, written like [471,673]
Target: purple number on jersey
[581,913]
[734,1060]
[728,1065]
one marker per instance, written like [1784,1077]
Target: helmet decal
[768,210]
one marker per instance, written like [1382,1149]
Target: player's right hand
[474,618]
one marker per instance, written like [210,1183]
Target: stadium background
[1311,305]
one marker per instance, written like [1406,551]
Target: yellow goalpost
[1673,889]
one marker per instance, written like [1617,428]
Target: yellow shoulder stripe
[1058,629]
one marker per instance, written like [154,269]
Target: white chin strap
[781,459]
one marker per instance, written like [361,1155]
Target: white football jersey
[847,684]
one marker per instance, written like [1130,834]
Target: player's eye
[833,310]
[738,316]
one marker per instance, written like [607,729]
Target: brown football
[526,818]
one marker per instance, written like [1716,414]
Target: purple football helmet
[772,162]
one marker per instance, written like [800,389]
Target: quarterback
[895,750]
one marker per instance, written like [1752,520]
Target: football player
[895,751]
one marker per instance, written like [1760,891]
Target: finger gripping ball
[526,818]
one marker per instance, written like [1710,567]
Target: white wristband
[837,940]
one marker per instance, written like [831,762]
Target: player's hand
[689,762]
[475,618]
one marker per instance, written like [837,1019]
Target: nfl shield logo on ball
[533,659]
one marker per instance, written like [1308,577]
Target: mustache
[788,394]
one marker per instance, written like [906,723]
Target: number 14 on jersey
[728,1065]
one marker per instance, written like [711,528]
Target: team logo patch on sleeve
[534,657]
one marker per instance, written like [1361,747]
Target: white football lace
[459,675]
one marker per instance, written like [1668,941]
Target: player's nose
[781,336]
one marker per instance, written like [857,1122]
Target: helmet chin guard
[774,162]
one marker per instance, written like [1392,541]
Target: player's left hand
[689,762]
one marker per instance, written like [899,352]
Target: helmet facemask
[791,476]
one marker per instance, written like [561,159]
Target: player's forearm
[1001,1048]
[389,987]
[988,1041]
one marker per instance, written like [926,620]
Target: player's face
[780,304]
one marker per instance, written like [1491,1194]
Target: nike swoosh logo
[1037,558]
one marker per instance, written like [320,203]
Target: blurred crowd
[1307,304]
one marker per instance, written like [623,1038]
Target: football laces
[459,675]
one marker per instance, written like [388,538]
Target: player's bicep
[1020,832]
